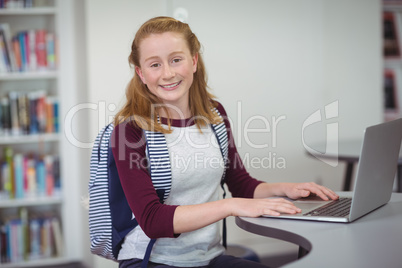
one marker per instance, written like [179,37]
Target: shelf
[28,11]
[25,202]
[49,262]
[392,62]
[24,139]
[28,75]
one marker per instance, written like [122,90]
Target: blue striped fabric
[100,220]
[102,224]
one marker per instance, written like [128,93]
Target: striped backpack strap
[100,218]
[222,137]
[110,217]
[159,163]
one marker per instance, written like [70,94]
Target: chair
[242,252]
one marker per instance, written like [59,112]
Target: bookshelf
[392,52]
[33,209]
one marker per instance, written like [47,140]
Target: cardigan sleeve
[238,180]
[155,218]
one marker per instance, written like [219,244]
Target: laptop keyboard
[336,208]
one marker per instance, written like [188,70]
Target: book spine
[33,119]
[15,126]
[41,178]
[17,53]
[40,46]
[23,113]
[32,53]
[3,244]
[5,60]
[21,39]
[9,186]
[48,160]
[6,181]
[31,178]
[34,231]
[41,111]
[50,51]
[9,46]
[57,236]
[19,177]
[5,116]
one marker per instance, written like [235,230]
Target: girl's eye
[155,65]
[176,60]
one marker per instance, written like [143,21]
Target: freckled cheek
[152,80]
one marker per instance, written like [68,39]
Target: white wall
[273,58]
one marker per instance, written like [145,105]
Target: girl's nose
[168,72]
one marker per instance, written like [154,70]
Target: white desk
[375,240]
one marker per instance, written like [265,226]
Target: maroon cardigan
[156,219]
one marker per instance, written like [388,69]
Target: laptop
[373,183]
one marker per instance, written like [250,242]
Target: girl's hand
[258,207]
[298,190]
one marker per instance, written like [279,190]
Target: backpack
[110,217]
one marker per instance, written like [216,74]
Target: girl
[168,94]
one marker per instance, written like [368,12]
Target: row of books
[391,46]
[391,95]
[11,4]
[24,113]
[29,238]
[29,176]
[31,50]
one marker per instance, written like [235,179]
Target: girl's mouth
[171,86]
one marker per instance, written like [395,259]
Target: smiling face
[167,68]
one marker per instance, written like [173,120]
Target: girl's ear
[139,72]
[195,61]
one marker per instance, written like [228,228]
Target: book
[41,110]
[4,60]
[57,237]
[23,113]
[32,55]
[49,180]
[28,50]
[28,113]
[50,51]
[17,53]
[34,239]
[5,27]
[3,244]
[5,118]
[15,124]
[22,43]
[41,178]
[390,35]
[19,175]
[40,47]
[9,184]
[33,118]
[6,181]
[31,178]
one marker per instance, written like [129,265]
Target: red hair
[141,103]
